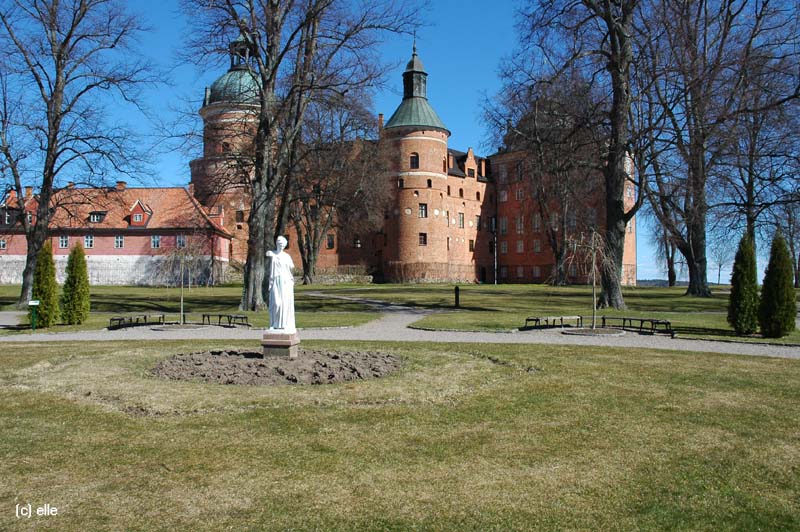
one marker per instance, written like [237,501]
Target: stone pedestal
[280,344]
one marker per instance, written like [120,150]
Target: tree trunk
[672,275]
[261,238]
[611,293]
[36,236]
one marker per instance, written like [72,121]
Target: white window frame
[502,195]
[63,242]
[119,241]
[95,217]
[3,243]
[155,241]
[461,220]
[423,210]
[520,194]
[520,246]
[138,217]
[180,241]
[503,247]
[88,241]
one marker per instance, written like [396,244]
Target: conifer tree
[743,301]
[778,300]
[75,296]
[45,288]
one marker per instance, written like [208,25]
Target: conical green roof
[415,111]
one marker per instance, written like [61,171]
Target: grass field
[108,301]
[505,307]
[464,437]
[483,307]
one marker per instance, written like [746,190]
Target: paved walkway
[393,326]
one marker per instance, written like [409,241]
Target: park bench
[651,325]
[135,319]
[552,321]
[232,319]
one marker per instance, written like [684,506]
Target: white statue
[281,289]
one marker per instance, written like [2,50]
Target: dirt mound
[247,367]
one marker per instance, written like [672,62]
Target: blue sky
[461,45]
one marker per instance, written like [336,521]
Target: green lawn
[505,307]
[465,437]
[108,301]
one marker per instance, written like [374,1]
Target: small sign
[33,303]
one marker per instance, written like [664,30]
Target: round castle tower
[417,228]
[230,116]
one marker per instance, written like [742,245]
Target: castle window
[414,161]
[520,246]
[503,247]
[537,272]
[472,245]
[519,171]
[554,221]
[448,243]
[180,241]
[88,241]
[503,223]
[95,217]
[399,183]
[239,216]
[502,195]
[3,243]
[460,192]
[447,217]
[137,217]
[537,222]
[478,222]
[423,210]
[520,272]
[520,194]
[537,246]
[329,241]
[478,196]
[461,220]
[423,239]
[430,184]
[471,172]
[503,272]
[444,165]
[448,190]
[356,242]
[119,242]
[155,241]
[520,224]
[63,242]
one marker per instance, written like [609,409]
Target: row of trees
[775,310]
[694,103]
[73,306]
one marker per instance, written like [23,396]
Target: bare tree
[300,49]
[700,57]
[335,183]
[595,36]
[556,124]
[60,62]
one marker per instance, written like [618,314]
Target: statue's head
[281,243]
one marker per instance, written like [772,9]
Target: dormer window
[96,217]
[137,217]
[471,172]
[414,161]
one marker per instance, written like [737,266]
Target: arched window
[414,161]
[430,184]
[460,192]
[478,196]
[399,183]
[448,190]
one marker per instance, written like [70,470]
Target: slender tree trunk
[672,275]
[36,236]
[261,238]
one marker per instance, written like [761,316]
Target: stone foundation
[280,344]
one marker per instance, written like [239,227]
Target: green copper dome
[237,85]
[415,110]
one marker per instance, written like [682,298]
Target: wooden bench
[641,325]
[232,319]
[552,321]
[135,319]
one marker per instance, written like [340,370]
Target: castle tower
[230,116]
[417,228]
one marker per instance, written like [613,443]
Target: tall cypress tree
[75,297]
[743,301]
[778,308]
[45,288]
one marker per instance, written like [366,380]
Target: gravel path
[393,326]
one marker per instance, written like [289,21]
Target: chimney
[380,122]
[28,192]
[121,185]
[70,184]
